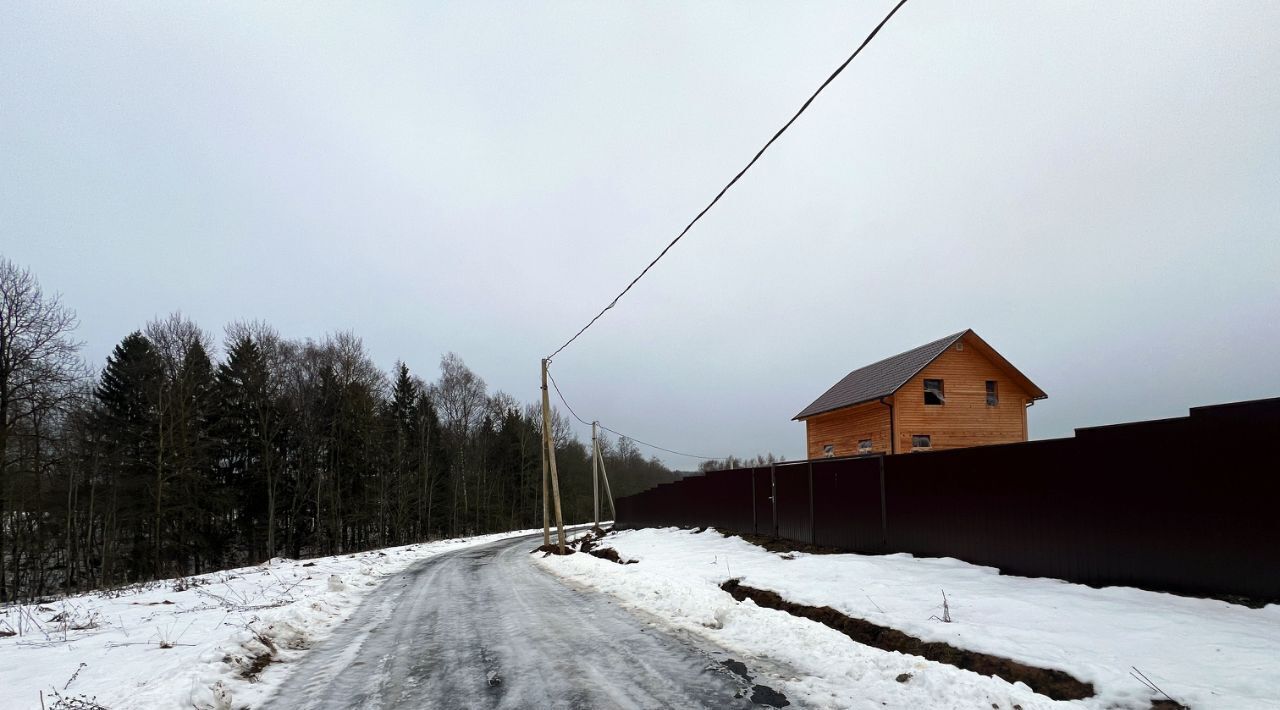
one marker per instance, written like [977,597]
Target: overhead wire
[564,401]
[735,179]
[804,107]
[659,448]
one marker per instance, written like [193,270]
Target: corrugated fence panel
[792,490]
[1238,488]
[1184,505]
[762,479]
[987,505]
[706,506]
[693,501]
[846,504]
[732,501]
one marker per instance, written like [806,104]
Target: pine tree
[129,391]
[201,502]
[401,465]
[244,414]
[129,382]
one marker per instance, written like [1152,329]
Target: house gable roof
[881,379]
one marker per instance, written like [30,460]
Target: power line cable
[562,399]
[560,394]
[659,448]
[694,221]
[735,179]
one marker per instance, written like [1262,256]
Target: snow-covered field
[191,643]
[1207,654]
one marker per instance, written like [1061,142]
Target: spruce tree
[201,502]
[246,450]
[401,453]
[129,382]
[129,391]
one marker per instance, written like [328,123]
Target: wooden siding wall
[965,419]
[844,428]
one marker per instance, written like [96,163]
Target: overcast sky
[1094,187]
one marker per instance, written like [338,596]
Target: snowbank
[1205,653]
[218,641]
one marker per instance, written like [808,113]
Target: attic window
[993,395]
[933,392]
[920,441]
[829,450]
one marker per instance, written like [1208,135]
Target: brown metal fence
[1187,505]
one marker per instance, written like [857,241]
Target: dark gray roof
[880,379]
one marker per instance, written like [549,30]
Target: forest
[181,454]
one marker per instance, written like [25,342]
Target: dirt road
[485,628]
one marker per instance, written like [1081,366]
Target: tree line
[169,461]
[732,462]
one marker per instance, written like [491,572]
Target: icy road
[482,627]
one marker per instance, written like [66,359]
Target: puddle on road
[764,695]
[738,667]
[760,694]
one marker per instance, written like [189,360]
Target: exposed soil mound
[554,549]
[774,544]
[608,553]
[1052,683]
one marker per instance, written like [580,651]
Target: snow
[485,628]
[191,643]
[1205,653]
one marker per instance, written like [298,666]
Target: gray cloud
[1092,187]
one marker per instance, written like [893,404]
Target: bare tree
[561,430]
[177,340]
[174,337]
[459,397]
[37,359]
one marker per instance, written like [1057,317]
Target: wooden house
[951,393]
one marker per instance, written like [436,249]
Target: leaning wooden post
[595,472]
[549,444]
[608,493]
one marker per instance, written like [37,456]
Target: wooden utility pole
[546,502]
[549,461]
[595,471]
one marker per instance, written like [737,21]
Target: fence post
[884,520]
[813,524]
[755,524]
[773,494]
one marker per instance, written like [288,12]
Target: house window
[920,441]
[993,395]
[933,392]
[829,450]
[864,446]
